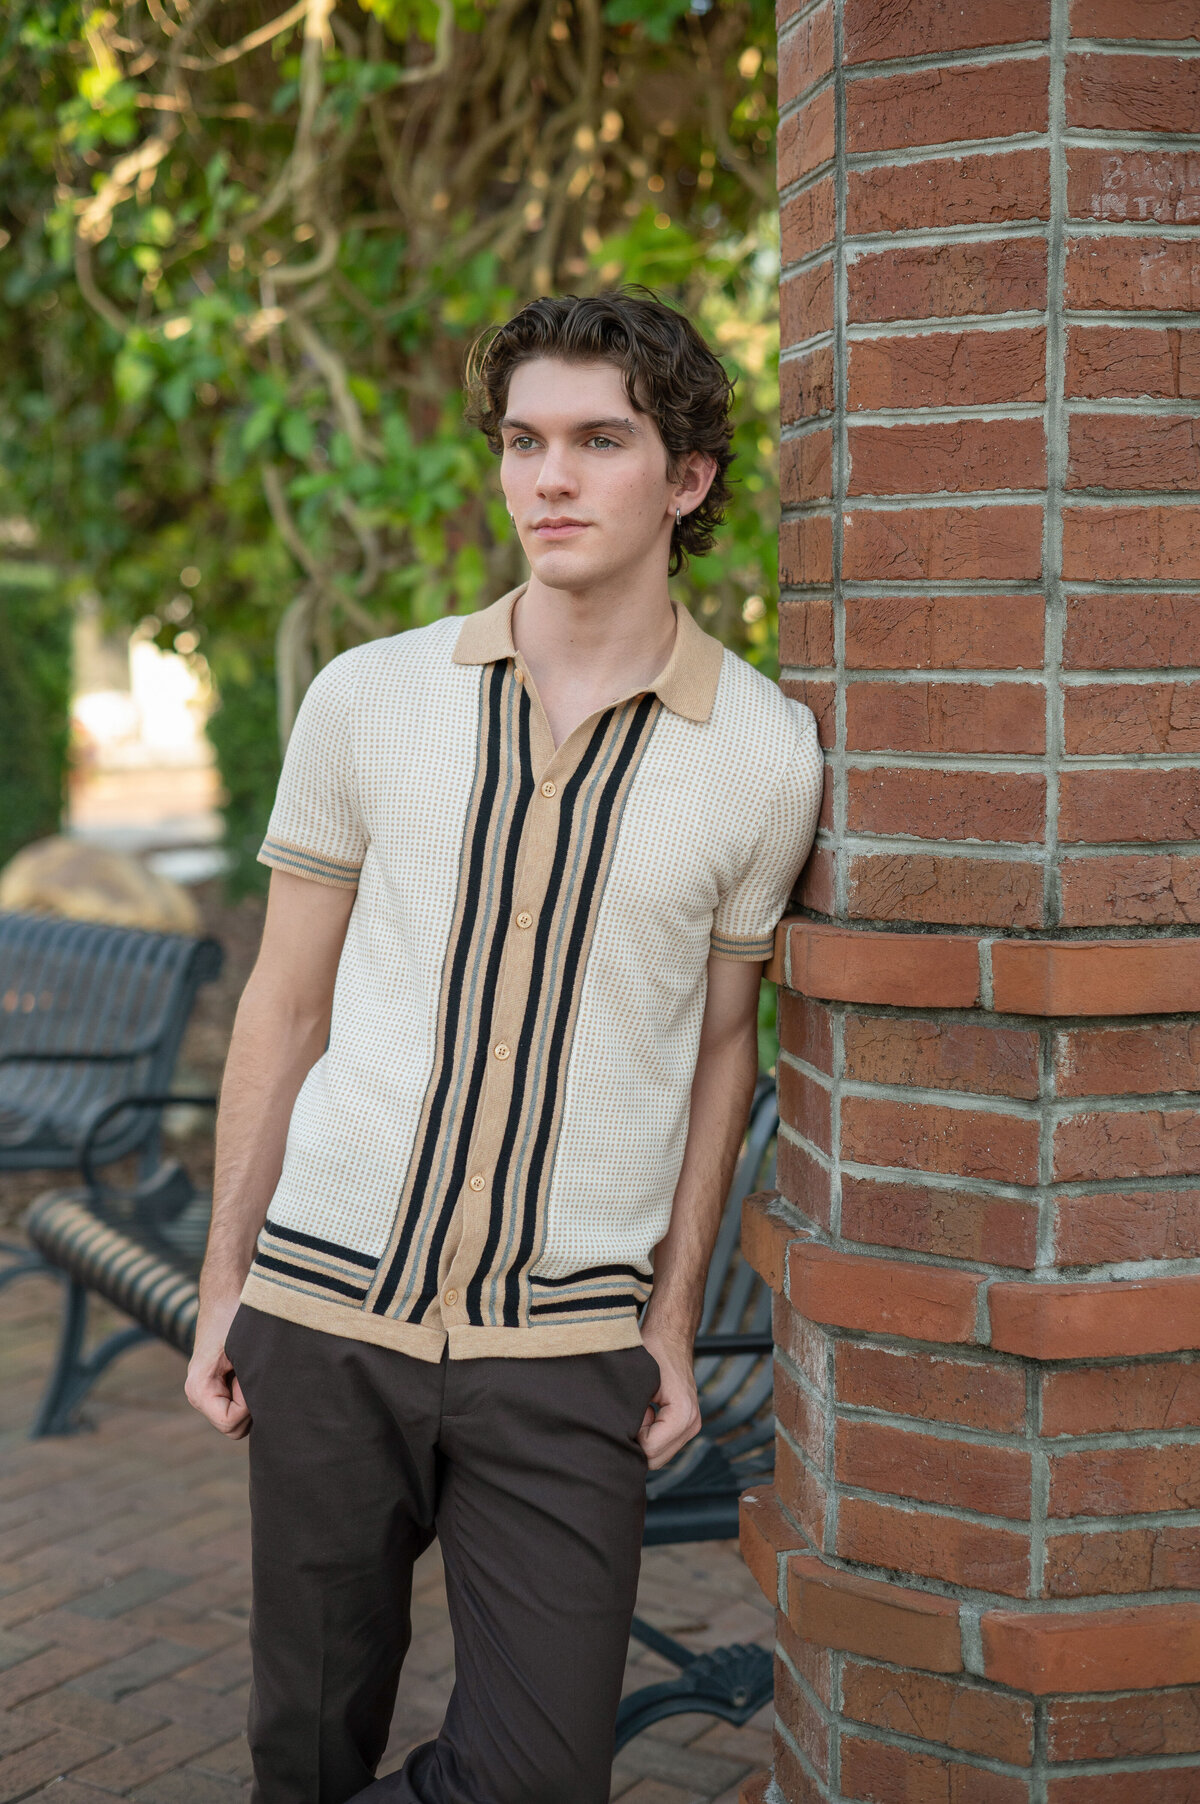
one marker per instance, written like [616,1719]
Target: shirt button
[520,675]
[501,1051]
[477,1181]
[549,789]
[524,919]
[451,1297]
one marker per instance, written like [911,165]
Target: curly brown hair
[670,374]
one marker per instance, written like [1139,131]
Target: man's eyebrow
[623,425]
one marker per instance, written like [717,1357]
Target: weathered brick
[805,1106]
[953,456]
[1133,1143]
[800,1414]
[1132,362]
[1159,274]
[813,1663]
[952,1224]
[1102,719]
[890,1774]
[1169,1787]
[926,1136]
[877,30]
[1112,1320]
[980,188]
[1133,451]
[805,468]
[1132,632]
[767,1232]
[1124,1481]
[807,221]
[900,1462]
[880,1296]
[948,281]
[806,550]
[1114,977]
[1140,1647]
[1122,1399]
[808,1726]
[1127,1061]
[1137,1224]
[806,54]
[971,368]
[816,891]
[804,1490]
[928,106]
[45,1760]
[805,138]
[943,632]
[844,964]
[943,544]
[973,1718]
[765,1532]
[975,1394]
[806,1030]
[968,892]
[804,1181]
[1099,806]
[1112,1562]
[1133,19]
[832,1608]
[1008,806]
[1124,1726]
[806,632]
[806,302]
[806,385]
[1130,93]
[806,1343]
[1144,890]
[943,1054]
[123,1768]
[928,1544]
[787,1774]
[1139,183]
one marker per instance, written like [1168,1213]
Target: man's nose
[557,474]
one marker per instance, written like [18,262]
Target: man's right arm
[281,1030]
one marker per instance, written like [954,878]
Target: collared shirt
[488,1150]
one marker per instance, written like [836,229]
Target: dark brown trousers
[529,1473]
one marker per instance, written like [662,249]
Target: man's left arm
[722,1090]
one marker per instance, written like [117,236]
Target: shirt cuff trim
[282,856]
[745,951]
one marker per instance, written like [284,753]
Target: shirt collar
[687,684]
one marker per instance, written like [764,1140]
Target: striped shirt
[487,1152]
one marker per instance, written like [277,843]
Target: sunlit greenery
[244,250]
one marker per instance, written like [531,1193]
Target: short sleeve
[316,828]
[749,911]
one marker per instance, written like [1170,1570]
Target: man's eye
[598,438]
[521,442]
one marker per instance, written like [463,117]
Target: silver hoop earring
[678,521]
[512,516]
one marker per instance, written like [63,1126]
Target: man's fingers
[216,1394]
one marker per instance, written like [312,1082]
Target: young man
[486,1091]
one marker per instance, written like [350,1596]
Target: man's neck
[595,645]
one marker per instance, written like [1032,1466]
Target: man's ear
[693,480]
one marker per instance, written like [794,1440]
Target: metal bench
[141,1250]
[89,1015]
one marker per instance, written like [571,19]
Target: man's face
[585,475]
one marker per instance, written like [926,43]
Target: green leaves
[657,18]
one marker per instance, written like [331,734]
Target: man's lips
[558,529]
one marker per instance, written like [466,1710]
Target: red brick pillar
[984,1540]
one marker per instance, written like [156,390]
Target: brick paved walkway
[123,1605]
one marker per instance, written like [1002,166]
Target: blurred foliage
[242,253]
[35,683]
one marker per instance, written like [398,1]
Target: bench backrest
[118,995]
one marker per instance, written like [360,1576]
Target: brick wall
[984,1537]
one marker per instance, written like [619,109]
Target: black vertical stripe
[471,880]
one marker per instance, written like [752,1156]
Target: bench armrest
[731,1343]
[160,1101]
[34,1056]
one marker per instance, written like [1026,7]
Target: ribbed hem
[420,1342]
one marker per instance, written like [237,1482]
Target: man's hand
[674,1418]
[212,1385]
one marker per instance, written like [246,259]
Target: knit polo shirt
[487,1152]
